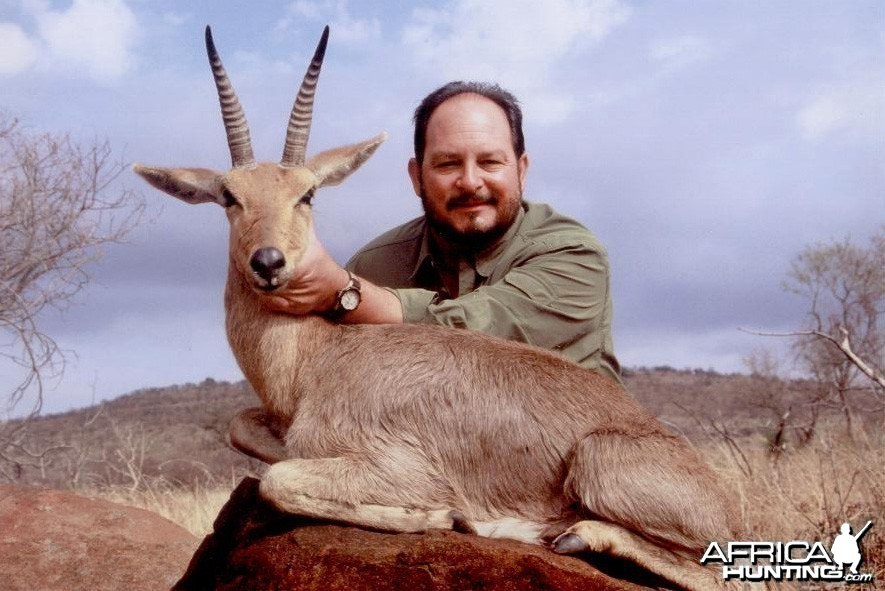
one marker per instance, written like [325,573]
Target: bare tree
[60,204]
[843,338]
[791,415]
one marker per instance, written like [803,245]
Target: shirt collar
[485,260]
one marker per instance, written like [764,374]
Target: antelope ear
[191,185]
[333,166]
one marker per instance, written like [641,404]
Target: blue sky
[705,143]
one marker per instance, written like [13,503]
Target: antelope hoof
[460,523]
[553,531]
[569,543]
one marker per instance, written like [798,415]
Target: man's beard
[472,239]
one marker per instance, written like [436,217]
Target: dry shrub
[802,494]
[62,203]
[192,507]
[138,451]
[807,493]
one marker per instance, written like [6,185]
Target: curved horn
[235,124]
[302,110]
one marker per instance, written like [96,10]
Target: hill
[794,468]
[179,434]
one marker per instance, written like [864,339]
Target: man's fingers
[277,303]
[289,305]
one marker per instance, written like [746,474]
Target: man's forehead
[466,104]
[468,115]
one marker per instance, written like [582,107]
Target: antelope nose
[267,262]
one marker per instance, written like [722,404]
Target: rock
[255,547]
[58,540]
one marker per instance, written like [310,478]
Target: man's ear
[522,168]
[415,175]
[191,185]
[333,166]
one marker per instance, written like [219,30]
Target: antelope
[406,428]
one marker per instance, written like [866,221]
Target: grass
[807,493]
[194,508]
[801,494]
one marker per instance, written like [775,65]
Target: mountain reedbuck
[410,427]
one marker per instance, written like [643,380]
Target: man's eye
[228,199]
[306,198]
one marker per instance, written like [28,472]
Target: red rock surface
[255,547]
[54,540]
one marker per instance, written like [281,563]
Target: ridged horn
[302,111]
[235,124]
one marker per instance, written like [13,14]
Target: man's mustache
[467,199]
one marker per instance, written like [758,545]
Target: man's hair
[493,92]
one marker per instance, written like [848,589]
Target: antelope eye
[306,198]
[228,199]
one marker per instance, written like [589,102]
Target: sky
[705,143]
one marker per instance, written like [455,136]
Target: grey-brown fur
[410,427]
[442,419]
[506,429]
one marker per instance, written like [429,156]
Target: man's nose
[470,179]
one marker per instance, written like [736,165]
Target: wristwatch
[348,298]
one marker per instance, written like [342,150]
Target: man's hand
[314,283]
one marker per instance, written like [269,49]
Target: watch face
[350,299]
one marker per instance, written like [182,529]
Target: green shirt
[545,282]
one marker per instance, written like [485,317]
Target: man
[481,257]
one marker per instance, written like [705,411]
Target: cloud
[258,65]
[724,349]
[820,116]
[306,9]
[17,51]
[348,30]
[514,42]
[677,53]
[175,19]
[95,37]
[858,107]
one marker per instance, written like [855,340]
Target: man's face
[471,181]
